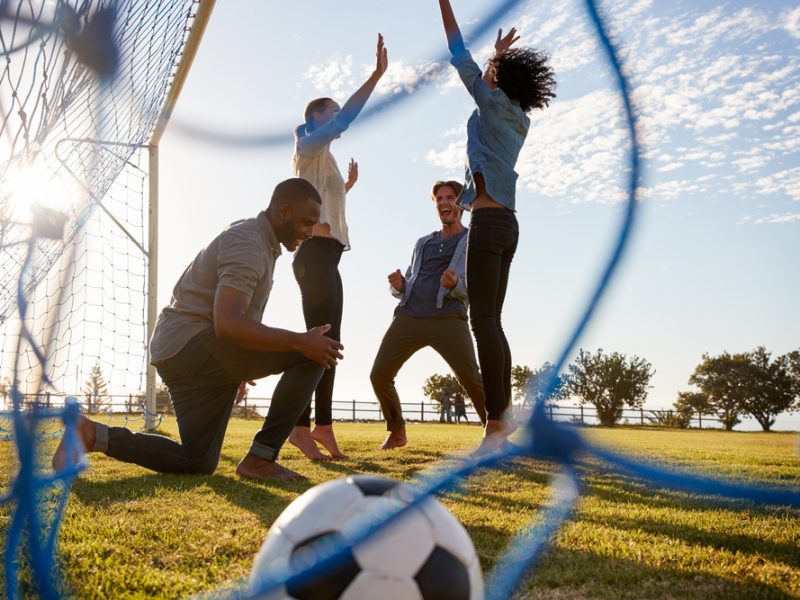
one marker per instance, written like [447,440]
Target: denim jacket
[457,263]
[496,132]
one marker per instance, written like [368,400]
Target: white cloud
[791,22]
[785,218]
[333,77]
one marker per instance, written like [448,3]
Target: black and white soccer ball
[426,554]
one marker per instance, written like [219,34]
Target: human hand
[381,58]
[449,279]
[352,175]
[396,280]
[242,391]
[320,348]
[504,42]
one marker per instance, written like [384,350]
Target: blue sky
[712,265]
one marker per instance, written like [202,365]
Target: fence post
[550,406]
[47,399]
[422,412]
[582,423]
[641,415]
[700,419]
[354,410]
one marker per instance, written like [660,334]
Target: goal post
[190,51]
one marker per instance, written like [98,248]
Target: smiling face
[446,207]
[295,222]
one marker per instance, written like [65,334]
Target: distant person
[209,342]
[432,312]
[460,408]
[445,410]
[316,264]
[515,82]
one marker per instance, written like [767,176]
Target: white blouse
[313,161]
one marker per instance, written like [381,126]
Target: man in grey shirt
[209,342]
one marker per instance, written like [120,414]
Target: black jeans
[202,380]
[492,242]
[316,268]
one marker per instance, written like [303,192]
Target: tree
[723,380]
[520,378]
[692,403]
[793,359]
[95,390]
[770,387]
[609,382]
[529,386]
[436,385]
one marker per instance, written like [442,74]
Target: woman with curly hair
[316,263]
[515,82]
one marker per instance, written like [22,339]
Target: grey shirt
[243,258]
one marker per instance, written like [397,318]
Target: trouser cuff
[263,451]
[100,438]
[395,425]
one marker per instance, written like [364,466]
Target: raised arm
[359,98]
[454,40]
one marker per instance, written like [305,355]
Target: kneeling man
[210,341]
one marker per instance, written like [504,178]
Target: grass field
[130,533]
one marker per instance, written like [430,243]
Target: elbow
[223,328]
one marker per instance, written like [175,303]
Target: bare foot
[255,467]
[495,435]
[395,439]
[68,457]
[301,438]
[324,435]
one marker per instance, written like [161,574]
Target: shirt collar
[269,234]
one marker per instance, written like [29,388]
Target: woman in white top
[316,263]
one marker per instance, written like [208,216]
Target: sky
[711,267]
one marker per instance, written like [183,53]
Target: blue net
[33,248]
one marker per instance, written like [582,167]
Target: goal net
[83,85]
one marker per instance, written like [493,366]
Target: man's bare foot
[395,439]
[64,457]
[301,438]
[255,467]
[324,435]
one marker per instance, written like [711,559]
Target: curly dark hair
[524,75]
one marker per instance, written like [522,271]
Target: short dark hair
[293,190]
[525,76]
[457,187]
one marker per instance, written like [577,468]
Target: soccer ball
[423,555]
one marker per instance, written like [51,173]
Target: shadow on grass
[563,573]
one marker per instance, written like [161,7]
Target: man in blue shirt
[432,312]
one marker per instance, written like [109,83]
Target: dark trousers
[449,336]
[202,380]
[492,242]
[316,268]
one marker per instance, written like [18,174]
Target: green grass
[130,533]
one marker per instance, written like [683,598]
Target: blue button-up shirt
[496,131]
[457,263]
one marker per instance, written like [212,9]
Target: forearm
[454,40]
[359,98]
[248,333]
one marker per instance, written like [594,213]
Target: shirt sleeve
[472,77]
[314,141]
[240,262]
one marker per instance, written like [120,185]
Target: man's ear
[284,213]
